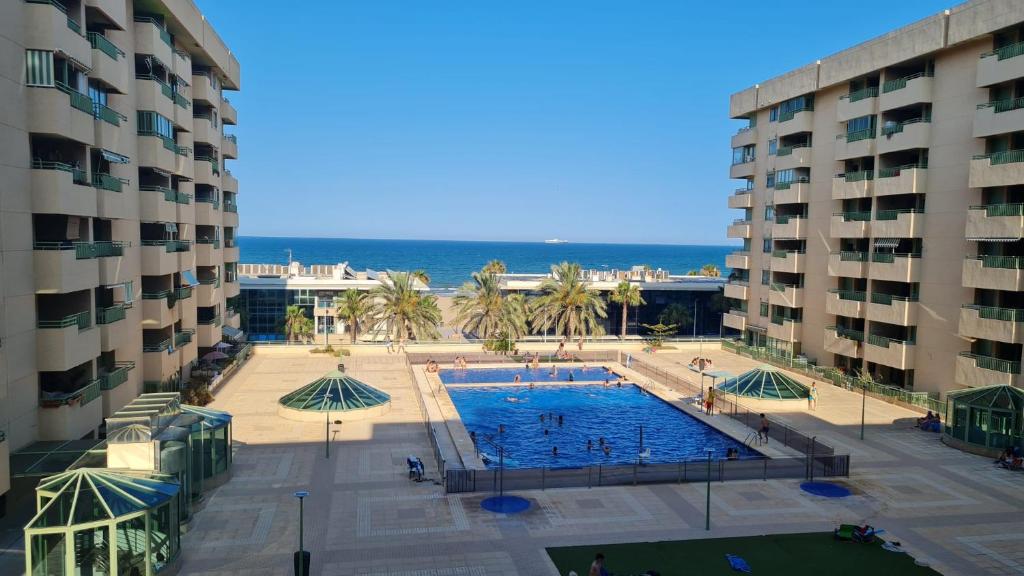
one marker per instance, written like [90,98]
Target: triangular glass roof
[209,418]
[86,495]
[765,382]
[336,392]
[1000,396]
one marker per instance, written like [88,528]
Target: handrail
[183,292]
[996,313]
[782,287]
[992,363]
[83,250]
[890,257]
[162,346]
[852,295]
[899,83]
[83,396]
[170,194]
[786,253]
[788,150]
[117,376]
[78,176]
[79,319]
[1005,157]
[108,182]
[157,295]
[848,333]
[897,127]
[790,114]
[859,176]
[869,92]
[110,315]
[883,341]
[856,216]
[1005,52]
[992,210]
[995,261]
[884,215]
[852,256]
[214,321]
[785,218]
[1005,105]
[857,135]
[789,184]
[164,34]
[103,44]
[888,299]
[895,171]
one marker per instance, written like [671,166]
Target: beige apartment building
[883,204]
[118,216]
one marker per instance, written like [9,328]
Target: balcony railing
[165,88]
[110,315]
[852,295]
[995,313]
[215,281]
[779,319]
[1007,105]
[789,184]
[183,292]
[213,163]
[157,295]
[81,397]
[215,242]
[994,210]
[107,248]
[1007,157]
[117,376]
[788,150]
[996,364]
[181,100]
[884,341]
[869,92]
[790,114]
[163,346]
[852,256]
[183,337]
[170,245]
[170,194]
[230,207]
[209,200]
[893,85]
[164,34]
[887,299]
[78,176]
[215,321]
[857,135]
[108,182]
[231,138]
[895,171]
[848,333]
[888,129]
[108,115]
[1005,262]
[101,43]
[859,176]
[80,319]
[230,242]
[853,216]
[786,253]
[1009,51]
[781,287]
[885,215]
[785,218]
[83,250]
[890,257]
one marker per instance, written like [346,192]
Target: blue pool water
[590,412]
[541,374]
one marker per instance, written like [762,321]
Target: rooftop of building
[339,276]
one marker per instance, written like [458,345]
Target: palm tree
[710,270]
[676,313]
[494,267]
[483,309]
[352,308]
[421,275]
[294,318]
[628,295]
[566,304]
[400,310]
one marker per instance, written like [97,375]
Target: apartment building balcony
[1001,65]
[992,323]
[152,93]
[843,341]
[118,264]
[784,329]
[207,171]
[159,309]
[231,252]
[59,188]
[51,28]
[742,198]
[795,121]
[208,252]
[997,169]
[895,267]
[209,292]
[890,352]
[229,147]
[229,182]
[789,227]
[796,156]
[228,114]
[60,111]
[110,200]
[119,386]
[73,414]
[850,303]
[110,130]
[744,137]
[855,144]
[788,261]
[160,361]
[207,212]
[735,319]
[114,330]
[231,287]
[852,264]
[787,295]
[796,192]
[898,310]
[853,185]
[186,214]
[203,90]
[737,289]
[863,102]
[850,225]
[744,169]
[187,344]
[907,135]
[208,332]
[160,257]
[158,204]
[63,343]
[976,371]
[230,215]
[999,117]
[113,10]
[905,223]
[738,260]
[152,38]
[738,229]
[109,63]
[62,267]
[913,89]
[203,130]
[995,221]
[910,179]
[158,152]
[994,273]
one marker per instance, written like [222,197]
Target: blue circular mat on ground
[826,489]
[505,504]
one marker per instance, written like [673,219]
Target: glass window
[769,180]
[773,114]
[151,123]
[764,309]
[861,124]
[766,244]
[765,277]
[743,154]
[785,176]
[38,68]
[48,554]
[773,146]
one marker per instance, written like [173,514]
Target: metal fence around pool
[492,358]
[807,467]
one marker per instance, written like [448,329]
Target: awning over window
[758,329]
[113,157]
[232,332]
[38,68]
[887,242]
[993,239]
[189,279]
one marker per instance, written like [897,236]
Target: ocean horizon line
[567,242]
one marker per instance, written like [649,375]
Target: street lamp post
[863,406]
[707,510]
[300,561]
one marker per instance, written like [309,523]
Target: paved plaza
[952,510]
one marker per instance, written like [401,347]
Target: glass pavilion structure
[765,383]
[985,420]
[335,392]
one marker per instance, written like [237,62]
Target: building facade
[882,204]
[117,211]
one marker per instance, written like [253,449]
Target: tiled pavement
[363,516]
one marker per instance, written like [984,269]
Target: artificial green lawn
[784,554]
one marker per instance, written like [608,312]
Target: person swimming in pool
[572,378]
[560,420]
[554,371]
[590,444]
[517,379]
[606,383]
[541,418]
[601,440]
[607,450]
[554,450]
[531,385]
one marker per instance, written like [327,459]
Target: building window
[765,277]
[769,180]
[764,309]
[38,68]
[153,124]
[773,146]
[773,114]
[743,154]
[766,244]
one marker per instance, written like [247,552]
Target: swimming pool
[590,412]
[541,374]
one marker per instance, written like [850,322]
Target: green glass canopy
[86,495]
[765,382]
[335,392]
[1000,396]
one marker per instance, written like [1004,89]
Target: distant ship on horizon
[556,241]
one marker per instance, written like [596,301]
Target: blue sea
[450,263]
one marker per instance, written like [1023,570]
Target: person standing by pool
[763,432]
[710,402]
[572,378]
[388,344]
[812,396]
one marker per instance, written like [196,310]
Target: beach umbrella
[215,355]
[222,345]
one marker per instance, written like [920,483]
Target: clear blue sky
[594,120]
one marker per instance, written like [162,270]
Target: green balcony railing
[170,245]
[848,333]
[117,376]
[107,248]
[181,101]
[163,346]
[994,210]
[853,216]
[859,176]
[857,135]
[170,194]
[995,364]
[884,342]
[786,253]
[857,95]
[84,395]
[790,114]
[78,176]
[215,242]
[1007,157]
[110,315]
[183,292]
[789,184]
[165,36]
[1005,52]
[108,182]
[852,295]
[887,299]
[888,129]
[83,250]
[889,257]
[887,215]
[208,199]
[165,88]
[788,150]
[183,337]
[853,256]
[182,151]
[215,321]
[995,313]
[900,83]
[230,207]
[999,106]
[101,43]
[157,295]
[1005,262]
[182,197]
[786,219]
[215,281]
[79,319]
[895,171]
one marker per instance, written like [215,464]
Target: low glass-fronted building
[99,521]
[210,436]
[985,420]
